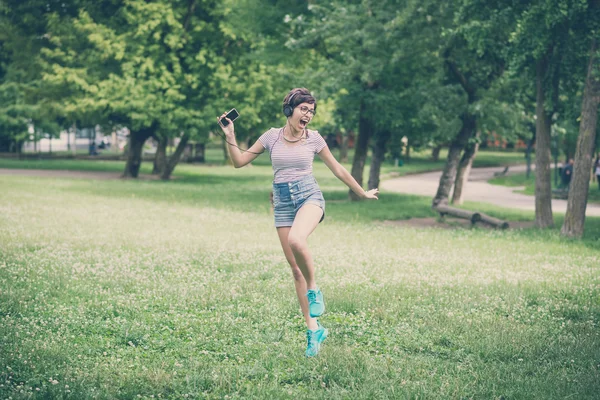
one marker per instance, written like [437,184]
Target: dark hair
[301,95]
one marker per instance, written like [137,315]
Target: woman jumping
[299,205]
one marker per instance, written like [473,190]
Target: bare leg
[306,221]
[299,281]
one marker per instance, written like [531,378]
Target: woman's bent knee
[296,244]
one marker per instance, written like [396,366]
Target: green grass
[133,289]
[419,162]
[529,184]
[87,163]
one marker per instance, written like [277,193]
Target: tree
[368,61]
[542,47]
[500,111]
[584,37]
[578,193]
[543,203]
[349,37]
[474,57]
[23,35]
[255,69]
[147,67]
[464,168]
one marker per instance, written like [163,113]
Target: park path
[478,190]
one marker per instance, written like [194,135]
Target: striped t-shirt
[291,161]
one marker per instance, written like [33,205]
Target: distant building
[494,141]
[83,140]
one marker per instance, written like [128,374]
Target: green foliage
[371,63]
[558,31]
[150,64]
[256,70]
[14,116]
[22,36]
[501,112]
[542,25]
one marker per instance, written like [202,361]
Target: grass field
[148,289]
[419,162]
[521,179]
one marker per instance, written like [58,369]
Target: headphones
[288,110]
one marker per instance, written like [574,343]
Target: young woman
[298,202]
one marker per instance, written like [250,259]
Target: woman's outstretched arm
[343,175]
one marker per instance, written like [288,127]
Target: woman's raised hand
[229,131]
[372,194]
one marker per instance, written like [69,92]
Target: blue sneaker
[314,340]
[316,304]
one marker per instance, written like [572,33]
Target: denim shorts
[289,197]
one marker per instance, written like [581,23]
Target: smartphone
[232,115]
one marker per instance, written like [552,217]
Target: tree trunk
[378,156]
[543,189]
[199,153]
[188,153]
[365,130]
[580,182]
[464,169]
[175,157]
[472,216]
[344,148]
[226,154]
[135,147]
[114,145]
[495,222]
[160,158]
[528,152]
[460,142]
[435,152]
[74,138]
[456,147]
